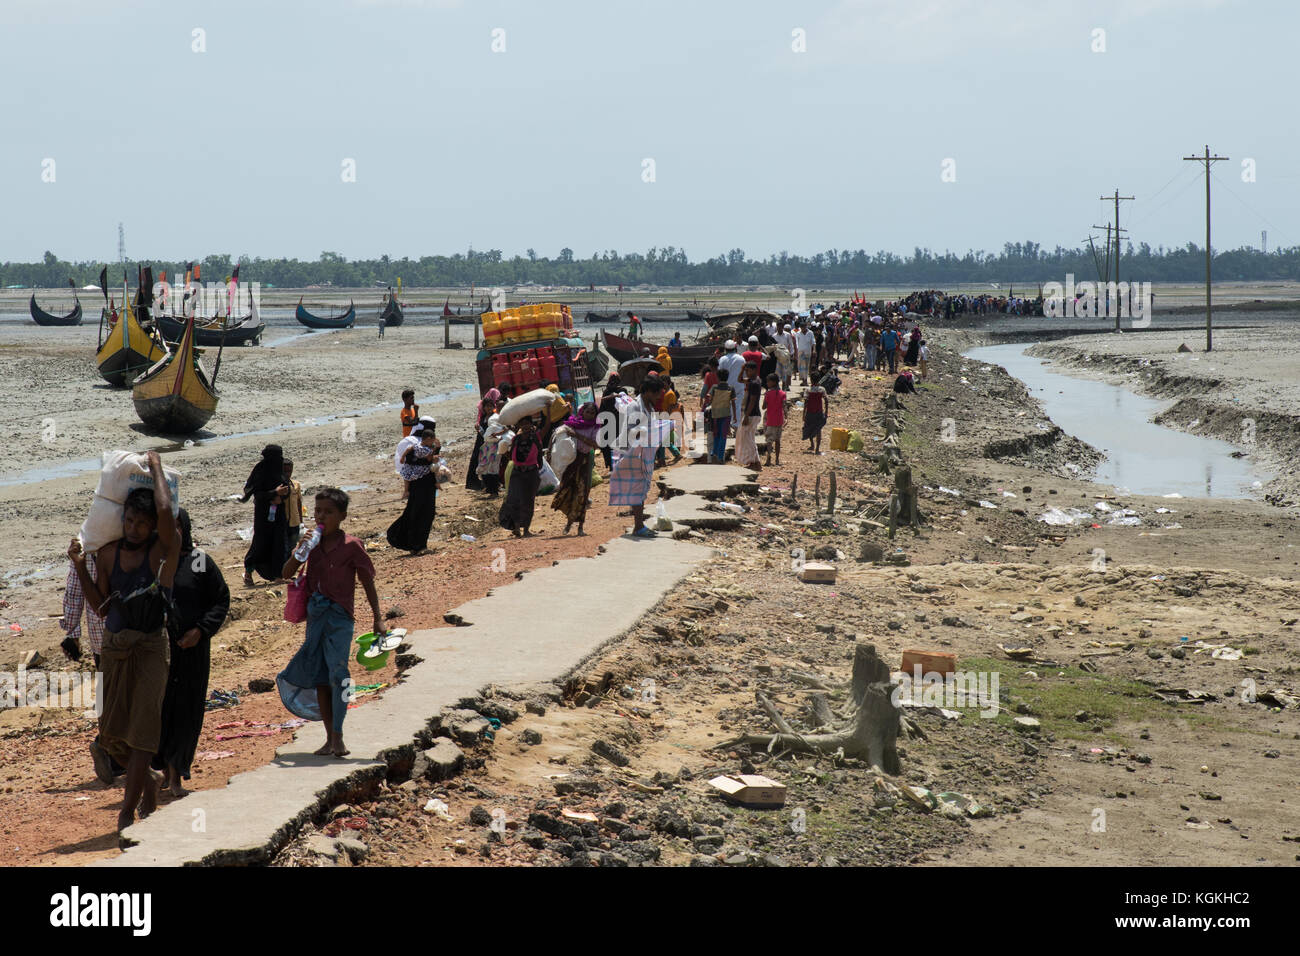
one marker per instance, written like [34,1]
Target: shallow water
[1141,456]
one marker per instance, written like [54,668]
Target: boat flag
[103,282]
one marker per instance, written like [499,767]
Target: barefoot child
[315,685]
[410,414]
[816,408]
[774,406]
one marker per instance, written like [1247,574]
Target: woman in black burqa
[269,490]
[200,603]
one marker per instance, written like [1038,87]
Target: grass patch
[1108,699]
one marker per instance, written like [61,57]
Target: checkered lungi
[629,482]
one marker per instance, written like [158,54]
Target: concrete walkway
[535,629]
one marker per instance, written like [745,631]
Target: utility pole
[121,245]
[1207,159]
[1117,198]
[1116,232]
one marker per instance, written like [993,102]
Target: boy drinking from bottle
[315,685]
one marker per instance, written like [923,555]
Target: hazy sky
[241,148]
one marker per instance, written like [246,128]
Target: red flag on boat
[446,306]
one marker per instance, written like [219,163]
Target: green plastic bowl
[370,663]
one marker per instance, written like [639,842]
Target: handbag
[295,600]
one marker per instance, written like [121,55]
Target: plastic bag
[295,600]
[563,450]
[547,482]
[662,521]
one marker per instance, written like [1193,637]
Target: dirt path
[1112,774]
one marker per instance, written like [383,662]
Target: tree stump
[903,506]
[870,732]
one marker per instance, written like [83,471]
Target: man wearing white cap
[732,362]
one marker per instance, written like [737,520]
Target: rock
[1183,348]
[700,860]
[442,761]
[632,834]
[480,815]
[354,848]
[612,859]
[500,709]
[1082,716]
[615,809]
[1178,653]
[536,706]
[1029,749]
[32,659]
[673,824]
[1022,708]
[1154,654]
[261,685]
[531,737]
[894,625]
[1026,725]
[870,551]
[533,838]
[706,841]
[321,845]
[1210,795]
[1183,591]
[466,727]
[580,785]
[1272,754]
[603,748]
[1079,601]
[953,621]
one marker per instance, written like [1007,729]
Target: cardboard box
[932,662]
[751,790]
[815,573]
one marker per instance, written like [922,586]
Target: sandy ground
[1228,575]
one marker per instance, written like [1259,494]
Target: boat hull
[173,329]
[687,360]
[344,321]
[41,317]
[172,414]
[391,314]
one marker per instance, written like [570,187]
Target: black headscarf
[183,523]
[268,473]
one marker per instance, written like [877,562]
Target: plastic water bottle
[306,544]
[270,516]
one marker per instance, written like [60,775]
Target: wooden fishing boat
[214,331]
[745,318]
[127,351]
[597,361]
[344,321]
[175,396]
[41,317]
[687,360]
[609,318]
[390,313]
[697,316]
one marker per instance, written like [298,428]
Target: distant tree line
[1018,263]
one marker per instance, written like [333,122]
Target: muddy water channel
[1141,457]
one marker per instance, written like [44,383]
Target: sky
[426,127]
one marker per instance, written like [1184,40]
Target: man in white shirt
[731,363]
[804,342]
